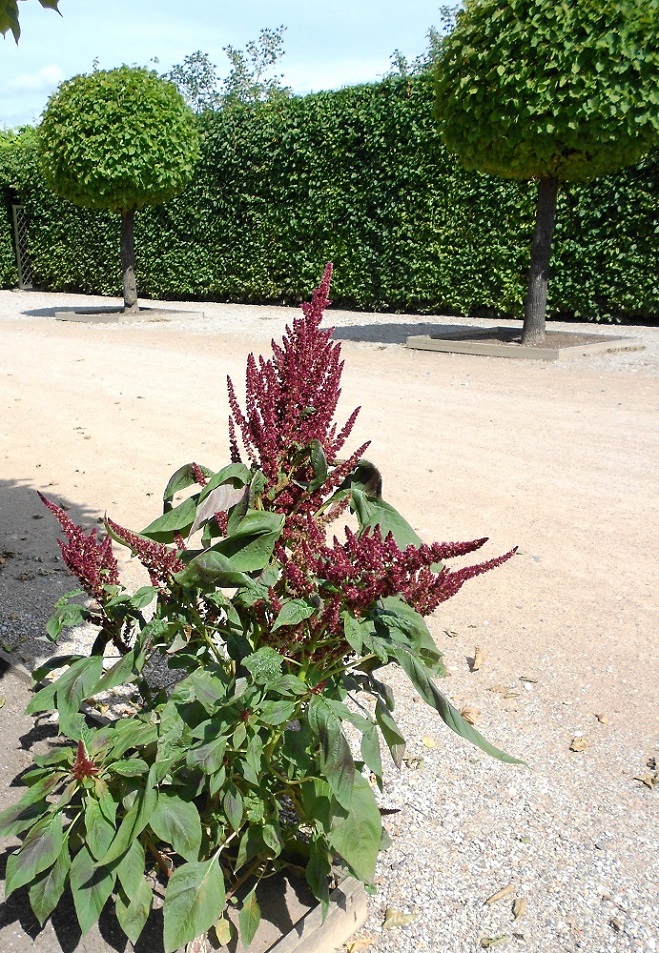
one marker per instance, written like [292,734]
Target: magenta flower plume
[291,398]
[89,558]
[159,560]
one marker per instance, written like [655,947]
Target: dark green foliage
[360,177]
[117,139]
[534,88]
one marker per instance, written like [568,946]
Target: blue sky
[328,45]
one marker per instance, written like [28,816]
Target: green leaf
[335,762]
[130,768]
[70,689]
[177,822]
[371,512]
[250,547]
[165,528]
[131,826]
[276,712]
[125,670]
[212,568]
[46,892]
[318,465]
[236,473]
[39,850]
[91,886]
[64,617]
[133,913]
[317,872]
[449,715]
[357,837]
[181,480]
[249,917]
[293,612]
[370,750]
[193,902]
[98,830]
[264,665]
[233,807]
[131,867]
[390,732]
[209,756]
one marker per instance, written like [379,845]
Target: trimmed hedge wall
[358,177]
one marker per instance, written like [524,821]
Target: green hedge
[358,177]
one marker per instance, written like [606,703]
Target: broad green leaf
[177,822]
[249,917]
[125,670]
[18,817]
[131,826]
[370,750]
[236,473]
[449,715]
[335,762]
[47,890]
[130,768]
[165,528]
[357,837]
[64,617]
[99,832]
[39,851]
[193,902]
[293,612]
[91,886]
[133,913]
[181,480]
[233,807]
[131,868]
[250,547]
[70,689]
[212,568]
[318,465]
[371,512]
[390,732]
[396,614]
[317,872]
[209,756]
[276,712]
[264,665]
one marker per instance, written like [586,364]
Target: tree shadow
[32,573]
[393,333]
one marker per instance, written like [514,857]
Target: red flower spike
[83,767]
[159,560]
[88,558]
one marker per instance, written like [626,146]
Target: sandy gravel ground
[559,459]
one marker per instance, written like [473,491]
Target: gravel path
[560,459]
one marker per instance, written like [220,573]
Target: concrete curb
[502,342]
[118,316]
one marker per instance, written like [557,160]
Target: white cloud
[46,78]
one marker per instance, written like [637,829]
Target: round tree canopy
[536,88]
[117,139]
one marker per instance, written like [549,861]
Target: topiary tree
[556,92]
[9,19]
[118,140]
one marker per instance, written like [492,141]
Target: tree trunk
[128,259]
[536,295]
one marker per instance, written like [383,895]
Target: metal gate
[23,259]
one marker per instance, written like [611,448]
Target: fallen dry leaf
[501,894]
[479,658]
[579,744]
[470,715]
[648,779]
[451,634]
[603,720]
[489,941]
[2,702]
[519,907]
[396,918]
[355,946]
[499,689]
[428,742]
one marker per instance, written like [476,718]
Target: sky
[328,45]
